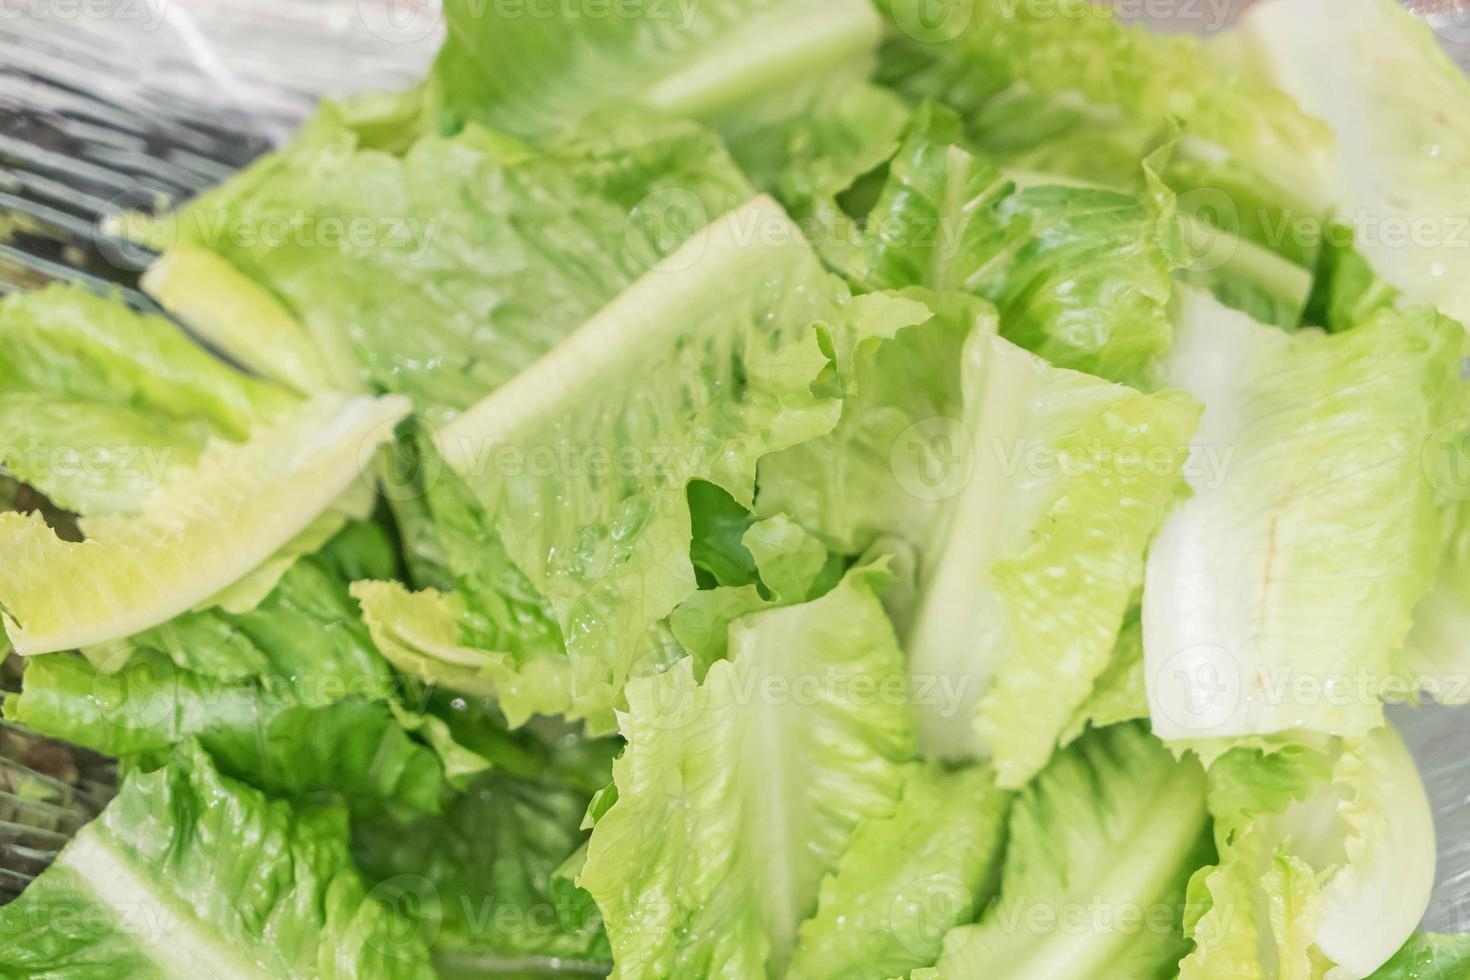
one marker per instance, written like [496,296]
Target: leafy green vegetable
[1326,854]
[187,873]
[1427,956]
[271,732]
[1028,571]
[103,405]
[484,880]
[1258,614]
[519,247]
[196,484]
[1400,109]
[1063,87]
[736,796]
[906,879]
[567,559]
[1101,846]
[1080,275]
[782,80]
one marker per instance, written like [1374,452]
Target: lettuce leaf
[736,796]
[783,81]
[1428,956]
[443,273]
[1400,109]
[1080,275]
[485,880]
[187,873]
[907,878]
[855,484]
[277,734]
[194,536]
[1101,846]
[1066,88]
[576,538]
[1027,574]
[1276,598]
[103,405]
[1326,861]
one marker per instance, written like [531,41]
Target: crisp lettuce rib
[1298,567]
[1326,861]
[1027,573]
[192,538]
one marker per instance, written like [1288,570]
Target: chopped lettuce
[907,878]
[1400,109]
[189,874]
[784,81]
[1028,571]
[1063,87]
[1100,848]
[270,732]
[1273,600]
[443,273]
[194,536]
[195,484]
[1326,861]
[737,795]
[574,539]
[486,880]
[102,405]
[1080,275]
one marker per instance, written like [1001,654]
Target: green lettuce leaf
[1119,694]
[1080,275]
[736,796]
[445,272]
[1100,848]
[307,629]
[102,405]
[484,881]
[1429,956]
[1400,109]
[189,874]
[1278,595]
[855,484]
[1026,575]
[784,82]
[1065,88]
[1326,861]
[906,879]
[270,732]
[566,559]
[194,536]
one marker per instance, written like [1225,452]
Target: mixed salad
[769,488]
